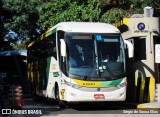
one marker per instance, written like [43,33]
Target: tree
[23,17]
[1,23]
[156,6]
[21,45]
[29,18]
[51,12]
[4,45]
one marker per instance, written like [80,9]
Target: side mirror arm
[63,47]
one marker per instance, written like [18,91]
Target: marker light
[141,26]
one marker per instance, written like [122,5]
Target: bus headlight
[76,86]
[122,85]
[72,85]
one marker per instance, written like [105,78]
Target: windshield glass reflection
[89,56]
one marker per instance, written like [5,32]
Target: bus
[79,62]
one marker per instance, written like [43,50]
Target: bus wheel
[62,104]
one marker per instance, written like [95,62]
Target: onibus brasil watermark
[28,111]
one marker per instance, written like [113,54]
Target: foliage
[113,15]
[156,6]
[21,45]
[49,12]
[109,11]
[28,18]
[22,18]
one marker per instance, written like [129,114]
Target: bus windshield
[95,56]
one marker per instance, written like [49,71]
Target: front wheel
[62,104]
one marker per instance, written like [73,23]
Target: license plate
[99,96]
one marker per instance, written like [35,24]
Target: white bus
[79,62]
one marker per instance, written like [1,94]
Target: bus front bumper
[77,95]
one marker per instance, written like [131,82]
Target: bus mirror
[63,47]
[130,48]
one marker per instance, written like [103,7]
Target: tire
[62,104]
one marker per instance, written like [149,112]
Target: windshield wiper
[108,69]
[85,77]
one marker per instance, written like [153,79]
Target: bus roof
[87,27]
[79,27]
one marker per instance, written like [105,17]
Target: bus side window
[52,46]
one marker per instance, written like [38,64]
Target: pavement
[154,105]
[149,105]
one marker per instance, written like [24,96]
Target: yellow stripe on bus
[89,83]
[45,34]
[31,43]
